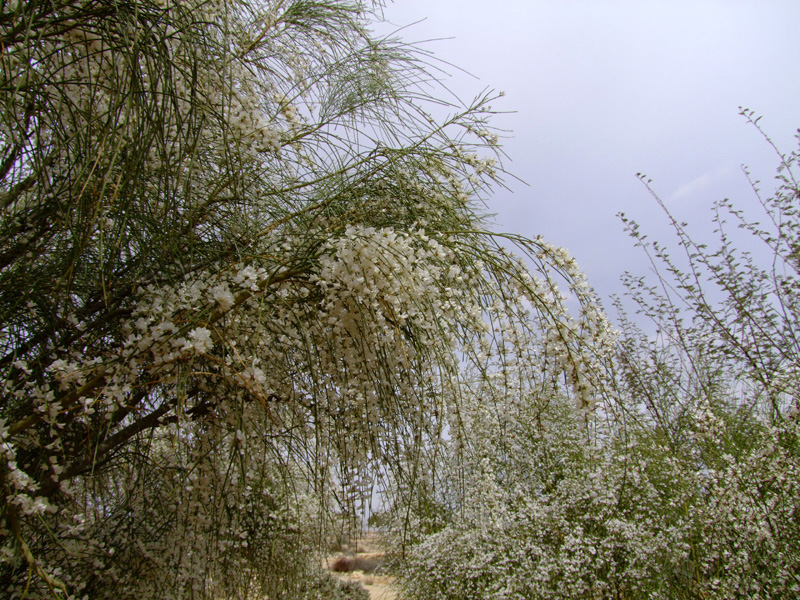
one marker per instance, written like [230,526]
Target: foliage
[328,586]
[686,484]
[243,269]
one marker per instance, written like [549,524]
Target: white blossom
[200,340]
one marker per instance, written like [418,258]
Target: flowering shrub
[242,274]
[244,282]
[680,482]
[561,519]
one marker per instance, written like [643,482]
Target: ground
[363,555]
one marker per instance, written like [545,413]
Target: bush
[348,564]
[343,564]
[682,481]
[242,269]
[326,586]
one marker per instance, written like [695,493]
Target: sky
[600,90]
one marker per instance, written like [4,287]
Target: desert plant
[343,564]
[715,387]
[683,481]
[242,268]
[328,586]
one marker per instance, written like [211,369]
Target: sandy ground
[378,586]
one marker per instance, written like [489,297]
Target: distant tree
[243,268]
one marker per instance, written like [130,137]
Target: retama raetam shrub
[683,481]
[348,564]
[244,270]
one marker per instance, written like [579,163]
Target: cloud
[699,184]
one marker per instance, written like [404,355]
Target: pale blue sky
[604,89]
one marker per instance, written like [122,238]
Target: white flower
[200,340]
[247,278]
[223,296]
[257,375]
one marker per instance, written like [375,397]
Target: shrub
[681,481]
[243,268]
[330,587]
[343,564]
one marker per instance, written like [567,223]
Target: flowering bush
[242,273]
[681,482]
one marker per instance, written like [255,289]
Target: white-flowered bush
[245,283]
[684,479]
[243,276]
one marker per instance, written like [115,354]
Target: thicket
[246,281]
